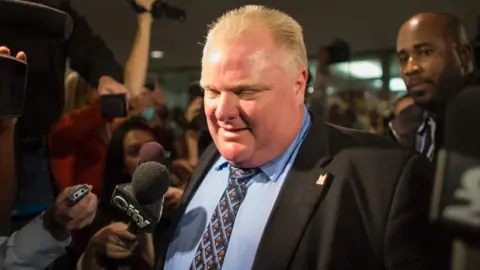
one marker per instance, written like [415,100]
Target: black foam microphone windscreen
[150,182]
[36,20]
[142,200]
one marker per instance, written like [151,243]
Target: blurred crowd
[81,145]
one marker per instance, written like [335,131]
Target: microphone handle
[132,228]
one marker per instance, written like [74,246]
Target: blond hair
[287,33]
[76,91]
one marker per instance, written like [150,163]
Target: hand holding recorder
[74,208]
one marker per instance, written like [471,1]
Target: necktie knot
[242,174]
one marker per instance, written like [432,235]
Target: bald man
[436,62]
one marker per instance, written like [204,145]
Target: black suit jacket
[86,52]
[370,213]
[405,126]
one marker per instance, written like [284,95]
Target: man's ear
[301,83]
[465,54]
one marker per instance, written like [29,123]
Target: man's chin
[427,103]
[424,98]
[423,102]
[234,152]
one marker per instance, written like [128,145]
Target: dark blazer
[370,213]
[405,126]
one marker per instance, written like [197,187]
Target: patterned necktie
[214,243]
[428,142]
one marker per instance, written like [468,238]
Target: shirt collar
[275,168]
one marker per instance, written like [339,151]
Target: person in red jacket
[78,141]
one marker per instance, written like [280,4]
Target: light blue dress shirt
[252,216]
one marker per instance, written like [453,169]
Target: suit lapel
[202,168]
[303,190]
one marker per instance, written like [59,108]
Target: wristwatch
[138,9]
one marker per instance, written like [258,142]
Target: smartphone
[13,79]
[150,86]
[77,195]
[114,105]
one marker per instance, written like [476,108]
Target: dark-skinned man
[436,61]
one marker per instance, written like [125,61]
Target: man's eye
[426,52]
[403,60]
[246,93]
[209,93]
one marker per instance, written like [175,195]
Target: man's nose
[412,67]
[226,107]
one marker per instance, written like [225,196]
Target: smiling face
[253,102]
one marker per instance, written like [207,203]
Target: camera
[13,77]
[161,9]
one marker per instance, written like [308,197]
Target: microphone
[142,200]
[36,19]
[456,196]
[153,151]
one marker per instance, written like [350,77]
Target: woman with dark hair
[123,154]
[121,161]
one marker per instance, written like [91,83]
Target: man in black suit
[281,189]
[436,62]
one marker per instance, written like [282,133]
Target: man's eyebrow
[423,44]
[239,87]
[416,47]
[243,87]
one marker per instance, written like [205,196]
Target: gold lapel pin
[321,179]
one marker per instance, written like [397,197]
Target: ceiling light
[397,85]
[361,69]
[157,54]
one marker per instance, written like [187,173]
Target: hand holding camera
[13,73]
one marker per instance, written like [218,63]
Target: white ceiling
[367,24]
